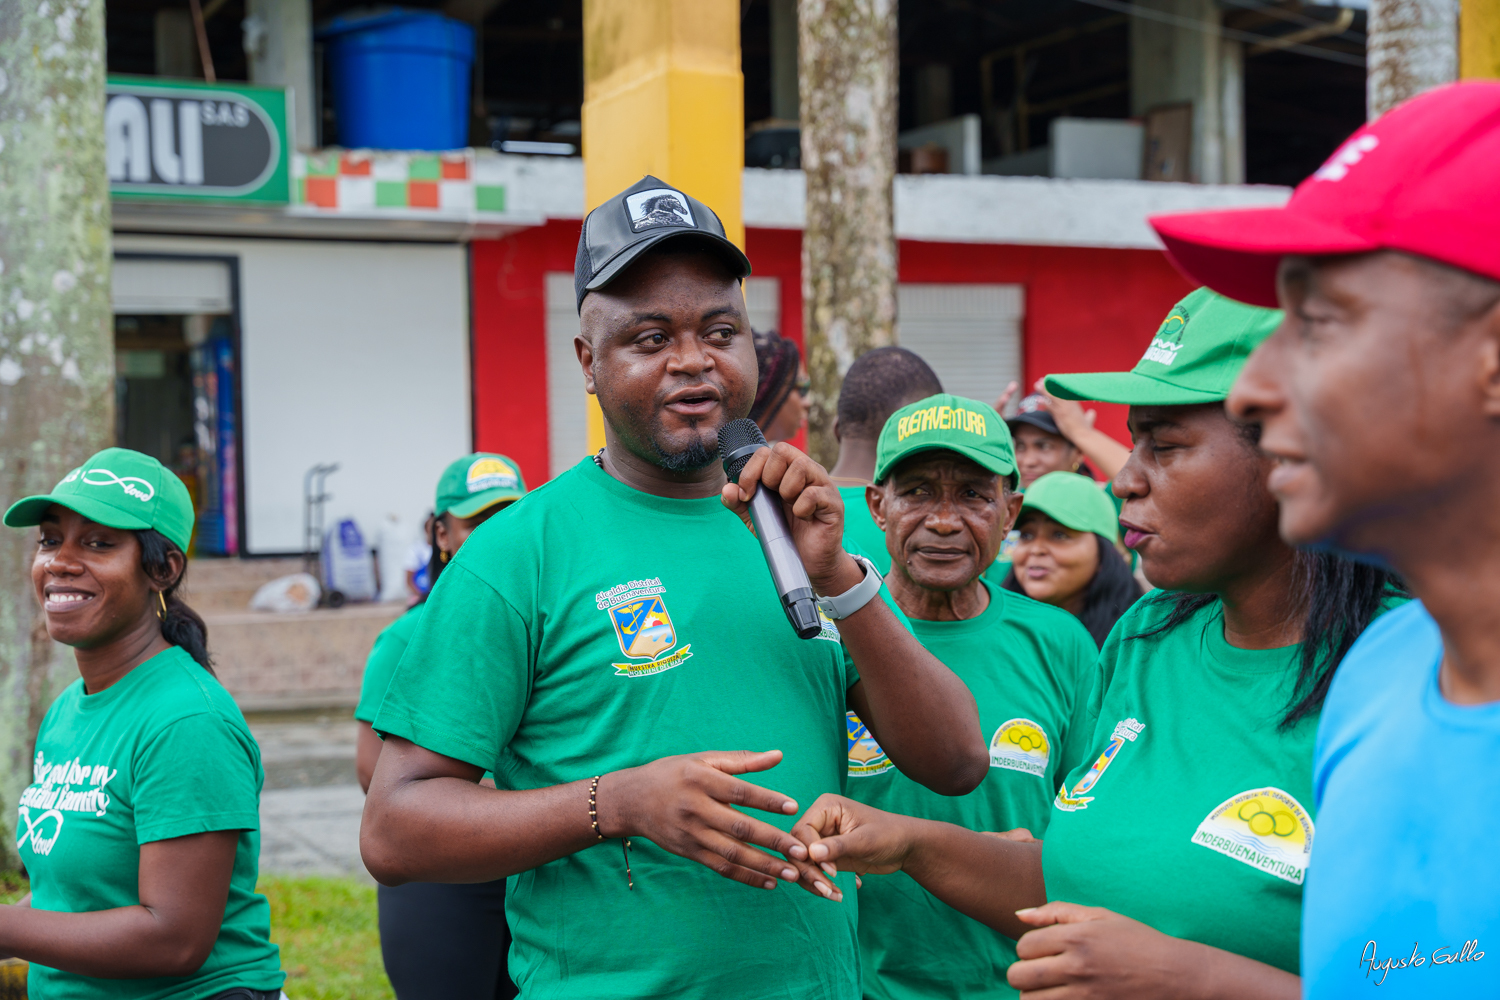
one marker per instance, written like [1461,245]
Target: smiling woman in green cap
[140,827]
[1179,836]
[945,497]
[440,940]
[1065,552]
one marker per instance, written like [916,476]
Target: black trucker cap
[635,220]
[1033,410]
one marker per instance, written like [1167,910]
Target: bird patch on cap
[658,207]
[491,473]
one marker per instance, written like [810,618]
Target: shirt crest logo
[865,756]
[643,626]
[1020,745]
[1265,828]
[1067,800]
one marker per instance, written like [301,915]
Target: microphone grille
[734,436]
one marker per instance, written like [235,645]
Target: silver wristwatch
[856,596]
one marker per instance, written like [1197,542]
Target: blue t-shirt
[1403,888]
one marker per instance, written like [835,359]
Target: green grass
[13,885]
[330,943]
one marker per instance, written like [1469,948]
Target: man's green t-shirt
[389,646]
[591,627]
[1188,808]
[1029,667]
[163,752]
[861,533]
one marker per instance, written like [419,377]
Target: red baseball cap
[1423,178]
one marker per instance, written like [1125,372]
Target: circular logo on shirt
[1265,828]
[1020,745]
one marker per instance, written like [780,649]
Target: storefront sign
[188,139]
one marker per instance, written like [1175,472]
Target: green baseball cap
[118,488]
[476,482]
[1073,501]
[1194,357]
[952,423]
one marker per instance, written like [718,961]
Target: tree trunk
[1412,47]
[56,346]
[847,62]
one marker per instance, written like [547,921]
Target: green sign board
[196,141]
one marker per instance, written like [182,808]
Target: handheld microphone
[738,440]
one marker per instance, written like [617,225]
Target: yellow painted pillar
[1479,40]
[663,95]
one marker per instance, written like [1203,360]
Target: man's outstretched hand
[685,805]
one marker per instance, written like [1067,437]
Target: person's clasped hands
[690,805]
[1066,951]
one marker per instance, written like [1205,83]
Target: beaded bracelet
[594,822]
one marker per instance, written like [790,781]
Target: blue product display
[400,79]
[1401,891]
[217,440]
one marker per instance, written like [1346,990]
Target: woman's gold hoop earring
[161,596]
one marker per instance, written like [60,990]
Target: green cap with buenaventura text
[117,488]
[477,482]
[1194,358]
[949,423]
[1073,501]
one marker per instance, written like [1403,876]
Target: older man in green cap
[945,496]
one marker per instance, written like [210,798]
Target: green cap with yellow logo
[477,482]
[1073,501]
[946,422]
[1194,357]
[117,488]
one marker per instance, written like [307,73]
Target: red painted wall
[777,253]
[510,341]
[1086,309]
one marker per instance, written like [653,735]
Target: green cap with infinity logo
[946,422]
[1194,358]
[118,488]
[477,482]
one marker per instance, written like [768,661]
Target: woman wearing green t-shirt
[440,941]
[140,827]
[1180,833]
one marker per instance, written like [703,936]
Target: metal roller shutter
[969,334]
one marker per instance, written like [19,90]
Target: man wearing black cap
[1040,446]
[591,642]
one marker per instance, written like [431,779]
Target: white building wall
[355,353]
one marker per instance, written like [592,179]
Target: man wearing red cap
[1380,397]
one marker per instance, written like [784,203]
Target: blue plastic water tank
[400,79]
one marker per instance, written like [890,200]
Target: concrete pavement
[310,808]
